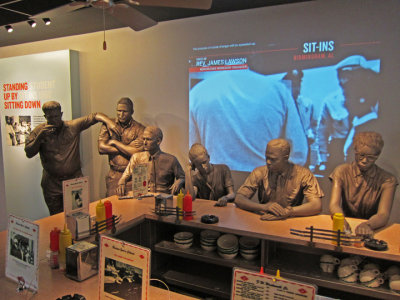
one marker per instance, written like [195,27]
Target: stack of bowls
[249,247]
[183,239]
[208,239]
[228,246]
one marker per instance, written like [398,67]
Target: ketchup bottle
[108,208]
[54,246]
[187,206]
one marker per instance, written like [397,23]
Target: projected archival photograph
[238,102]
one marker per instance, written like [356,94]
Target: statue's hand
[113,128]
[121,190]
[48,130]
[222,201]
[276,209]
[364,229]
[176,186]
[138,143]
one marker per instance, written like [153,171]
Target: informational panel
[76,195]
[248,285]
[124,270]
[140,180]
[22,252]
[27,82]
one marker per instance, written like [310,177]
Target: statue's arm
[381,218]
[245,203]
[35,139]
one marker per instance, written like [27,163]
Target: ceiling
[90,19]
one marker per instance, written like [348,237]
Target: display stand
[248,285]
[22,253]
[124,270]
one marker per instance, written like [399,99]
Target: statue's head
[277,154]
[52,113]
[125,110]
[152,138]
[200,158]
[368,146]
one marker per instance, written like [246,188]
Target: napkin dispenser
[81,261]
[79,224]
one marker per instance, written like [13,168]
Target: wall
[151,67]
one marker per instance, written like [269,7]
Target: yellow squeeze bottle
[179,203]
[338,224]
[100,214]
[64,242]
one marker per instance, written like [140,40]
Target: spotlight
[46,21]
[32,23]
[9,28]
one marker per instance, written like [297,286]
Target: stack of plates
[249,247]
[228,246]
[208,239]
[183,239]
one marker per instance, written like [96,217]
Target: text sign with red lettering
[254,285]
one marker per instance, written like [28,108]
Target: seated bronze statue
[284,189]
[361,189]
[208,181]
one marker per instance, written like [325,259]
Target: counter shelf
[170,262]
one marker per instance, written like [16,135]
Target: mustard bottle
[100,214]
[179,203]
[337,224]
[65,241]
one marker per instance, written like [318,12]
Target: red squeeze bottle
[187,206]
[54,239]
[54,246]
[108,208]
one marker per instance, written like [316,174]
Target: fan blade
[63,9]
[196,4]
[131,17]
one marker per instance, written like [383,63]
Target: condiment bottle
[187,206]
[100,214]
[54,246]
[337,224]
[64,242]
[179,203]
[108,210]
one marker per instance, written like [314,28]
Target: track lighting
[46,21]
[32,23]
[9,28]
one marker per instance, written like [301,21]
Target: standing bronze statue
[165,174]
[281,185]
[361,189]
[208,181]
[57,143]
[120,145]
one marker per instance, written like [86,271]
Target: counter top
[231,220]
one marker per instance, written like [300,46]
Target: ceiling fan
[124,10]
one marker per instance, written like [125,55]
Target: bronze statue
[165,174]
[57,142]
[361,189]
[120,145]
[281,185]
[208,181]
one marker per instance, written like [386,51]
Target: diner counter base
[208,273]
